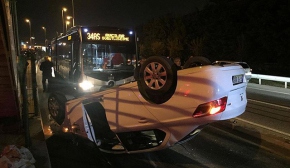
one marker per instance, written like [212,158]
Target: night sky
[118,13]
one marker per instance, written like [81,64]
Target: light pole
[28,21]
[66,23]
[73,10]
[44,29]
[63,10]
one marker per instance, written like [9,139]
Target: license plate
[237,79]
[111,78]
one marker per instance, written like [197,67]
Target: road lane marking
[262,126]
[257,101]
[268,90]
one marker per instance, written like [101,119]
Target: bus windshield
[108,62]
[105,56]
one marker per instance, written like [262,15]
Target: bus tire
[157,79]
[56,107]
[111,83]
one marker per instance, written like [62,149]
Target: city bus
[91,57]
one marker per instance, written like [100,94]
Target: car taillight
[211,108]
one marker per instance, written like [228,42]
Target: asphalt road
[269,94]
[268,107]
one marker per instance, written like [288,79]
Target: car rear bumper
[236,105]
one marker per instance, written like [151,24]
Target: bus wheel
[111,83]
[56,107]
[158,79]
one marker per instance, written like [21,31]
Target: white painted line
[268,90]
[262,126]
[269,104]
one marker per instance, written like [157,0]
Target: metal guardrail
[271,78]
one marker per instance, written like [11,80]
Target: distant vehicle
[26,53]
[90,57]
[163,107]
[247,69]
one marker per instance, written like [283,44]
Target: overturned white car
[162,108]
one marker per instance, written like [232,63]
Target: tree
[174,47]
[158,48]
[196,46]
[176,38]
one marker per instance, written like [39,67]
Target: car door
[130,120]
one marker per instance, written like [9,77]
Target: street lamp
[69,18]
[28,21]
[44,29]
[63,10]
[66,23]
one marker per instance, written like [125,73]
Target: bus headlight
[86,85]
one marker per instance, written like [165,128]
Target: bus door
[75,65]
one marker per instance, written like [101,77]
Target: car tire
[195,61]
[157,79]
[56,107]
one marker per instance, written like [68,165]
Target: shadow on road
[68,150]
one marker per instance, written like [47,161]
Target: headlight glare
[86,85]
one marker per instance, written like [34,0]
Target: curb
[266,139]
[38,146]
